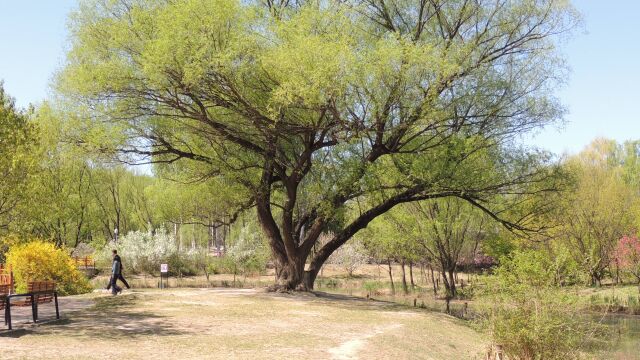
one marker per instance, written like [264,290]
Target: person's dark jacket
[117,258]
[116,267]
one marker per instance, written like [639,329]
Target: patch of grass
[104,303]
[623,299]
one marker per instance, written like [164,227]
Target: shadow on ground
[111,318]
[345,301]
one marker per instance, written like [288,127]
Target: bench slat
[39,292]
[44,291]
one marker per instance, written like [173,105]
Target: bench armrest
[33,293]
[20,295]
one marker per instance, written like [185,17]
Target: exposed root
[284,289]
[278,288]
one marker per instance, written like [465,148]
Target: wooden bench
[38,292]
[6,275]
[5,291]
[85,263]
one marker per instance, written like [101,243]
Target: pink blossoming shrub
[627,255]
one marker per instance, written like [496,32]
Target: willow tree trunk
[405,288]
[413,284]
[393,287]
[291,275]
[448,277]
[433,281]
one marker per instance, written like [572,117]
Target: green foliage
[6,243]
[216,265]
[386,239]
[64,193]
[633,305]
[248,255]
[72,196]
[179,265]
[204,263]
[499,246]
[331,283]
[567,270]
[598,211]
[207,202]
[371,287]
[310,107]
[613,302]
[529,316]
[17,163]
[38,260]
[523,271]
[439,232]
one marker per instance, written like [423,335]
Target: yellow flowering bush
[38,260]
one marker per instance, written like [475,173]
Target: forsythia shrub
[39,260]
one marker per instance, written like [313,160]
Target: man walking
[116,273]
[116,269]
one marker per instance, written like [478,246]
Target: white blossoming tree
[350,257]
[141,251]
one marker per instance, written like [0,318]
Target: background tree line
[52,189]
[591,227]
[55,190]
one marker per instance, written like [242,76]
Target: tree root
[284,289]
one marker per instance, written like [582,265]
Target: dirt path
[239,324]
[22,318]
[349,349]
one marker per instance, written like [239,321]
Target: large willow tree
[327,113]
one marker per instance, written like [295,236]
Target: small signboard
[164,268]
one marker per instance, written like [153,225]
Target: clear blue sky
[601,95]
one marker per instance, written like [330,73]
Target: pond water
[625,341]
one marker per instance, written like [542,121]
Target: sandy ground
[22,317]
[236,324]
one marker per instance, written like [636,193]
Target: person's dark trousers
[115,289]
[121,278]
[109,284]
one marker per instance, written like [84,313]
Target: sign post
[164,271]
